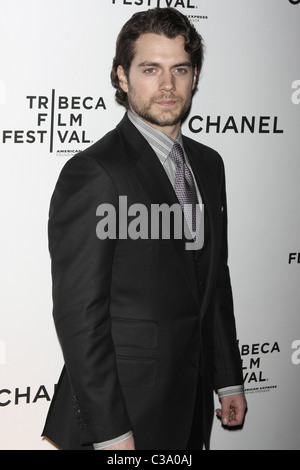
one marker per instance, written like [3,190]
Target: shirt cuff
[111,442]
[224,392]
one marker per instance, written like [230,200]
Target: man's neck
[170,131]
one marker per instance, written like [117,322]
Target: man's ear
[194,84]
[123,82]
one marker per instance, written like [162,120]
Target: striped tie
[184,186]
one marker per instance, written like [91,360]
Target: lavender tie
[184,186]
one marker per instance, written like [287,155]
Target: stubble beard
[164,118]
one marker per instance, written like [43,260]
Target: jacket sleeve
[81,276]
[227,360]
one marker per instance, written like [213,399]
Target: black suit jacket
[137,331]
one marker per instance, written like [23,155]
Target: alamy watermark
[159,221]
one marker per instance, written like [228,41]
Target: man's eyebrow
[183,64]
[157,64]
[149,64]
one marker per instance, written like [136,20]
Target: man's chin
[169,117]
[165,119]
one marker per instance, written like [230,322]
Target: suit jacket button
[195,363]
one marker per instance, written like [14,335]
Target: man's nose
[167,82]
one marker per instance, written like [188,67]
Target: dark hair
[168,22]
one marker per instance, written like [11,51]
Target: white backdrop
[56,98]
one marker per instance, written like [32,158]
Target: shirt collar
[160,142]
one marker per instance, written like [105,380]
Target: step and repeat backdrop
[56,99]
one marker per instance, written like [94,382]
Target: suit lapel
[151,175]
[212,211]
[153,180]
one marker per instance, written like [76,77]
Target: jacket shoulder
[202,149]
[103,154]
[205,155]
[104,149]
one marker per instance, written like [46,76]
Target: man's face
[161,80]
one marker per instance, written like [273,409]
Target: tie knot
[177,153]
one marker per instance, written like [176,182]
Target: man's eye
[181,71]
[149,71]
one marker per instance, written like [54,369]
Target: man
[146,324]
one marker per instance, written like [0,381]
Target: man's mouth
[167,103]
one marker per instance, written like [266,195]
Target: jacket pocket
[136,351]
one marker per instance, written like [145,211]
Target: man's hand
[128,444]
[233,410]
